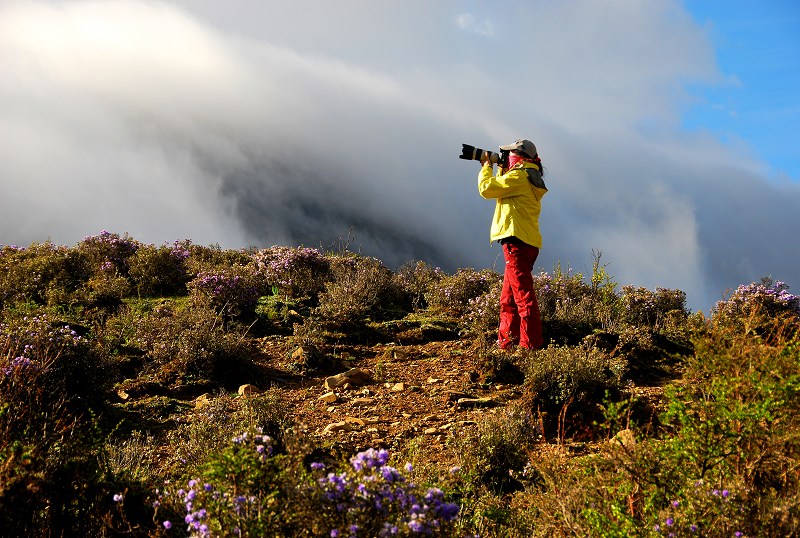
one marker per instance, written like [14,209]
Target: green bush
[232,291]
[417,280]
[453,293]
[563,375]
[296,272]
[191,345]
[160,271]
[641,306]
[360,288]
[43,273]
[52,480]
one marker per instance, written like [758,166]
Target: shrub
[159,271]
[213,258]
[494,455]
[108,251]
[231,291]
[360,286]
[417,280]
[51,477]
[212,428]
[295,271]
[248,490]
[185,344]
[483,312]
[453,293]
[43,273]
[564,296]
[559,375]
[764,300]
[641,306]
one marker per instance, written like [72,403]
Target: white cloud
[252,123]
[470,23]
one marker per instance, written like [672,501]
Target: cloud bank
[260,123]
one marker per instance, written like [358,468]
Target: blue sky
[757,46]
[668,128]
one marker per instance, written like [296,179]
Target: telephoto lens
[471,153]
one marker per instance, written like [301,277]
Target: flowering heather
[644,307]
[233,291]
[107,247]
[299,270]
[376,499]
[767,298]
[454,292]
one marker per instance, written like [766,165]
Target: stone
[328,397]
[363,401]
[342,426]
[353,377]
[431,431]
[476,402]
[454,395]
[625,438]
[201,401]
[432,380]
[355,421]
[123,395]
[398,387]
[248,390]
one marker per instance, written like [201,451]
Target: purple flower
[167,524]
[693,527]
[117,497]
[317,466]
[670,522]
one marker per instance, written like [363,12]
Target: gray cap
[524,146]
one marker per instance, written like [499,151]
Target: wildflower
[737,534]
[317,466]
[670,522]
[676,504]
[167,524]
[725,493]
[117,497]
[334,533]
[693,527]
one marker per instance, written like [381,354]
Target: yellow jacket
[518,202]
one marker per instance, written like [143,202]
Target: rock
[432,380]
[363,401]
[123,395]
[328,397]
[398,387]
[625,438]
[355,421]
[342,426]
[248,390]
[431,431]
[454,395]
[201,401]
[476,402]
[353,377]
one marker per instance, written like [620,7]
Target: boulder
[353,377]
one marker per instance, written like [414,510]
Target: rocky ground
[384,395]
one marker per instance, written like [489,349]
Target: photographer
[518,188]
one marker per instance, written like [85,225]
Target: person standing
[518,189]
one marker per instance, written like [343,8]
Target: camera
[471,153]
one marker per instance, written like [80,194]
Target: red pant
[520,320]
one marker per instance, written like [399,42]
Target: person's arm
[512,183]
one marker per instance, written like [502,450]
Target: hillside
[128,367]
